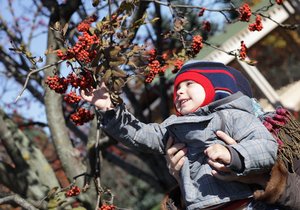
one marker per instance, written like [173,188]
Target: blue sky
[9,89]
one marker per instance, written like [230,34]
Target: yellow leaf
[65,29]
[106,76]
[154,20]
[119,73]
[118,84]
[139,22]
[52,204]
[251,62]
[95,3]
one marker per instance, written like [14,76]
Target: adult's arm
[256,145]
[176,155]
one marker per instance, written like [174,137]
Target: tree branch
[18,200]
[33,72]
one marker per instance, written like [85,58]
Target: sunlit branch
[168,4]
[18,200]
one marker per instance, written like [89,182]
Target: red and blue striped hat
[217,79]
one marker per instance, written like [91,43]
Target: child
[205,93]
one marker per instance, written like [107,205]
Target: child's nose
[180,91]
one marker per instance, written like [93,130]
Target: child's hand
[99,97]
[218,153]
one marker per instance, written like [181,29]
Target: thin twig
[287,26]
[32,72]
[216,48]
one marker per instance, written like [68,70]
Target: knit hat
[218,80]
[241,82]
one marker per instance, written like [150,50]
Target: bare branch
[18,200]
[187,6]
[35,71]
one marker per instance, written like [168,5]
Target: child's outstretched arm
[99,97]
[120,124]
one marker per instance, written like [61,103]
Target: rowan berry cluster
[177,65]
[257,26]
[58,84]
[83,50]
[107,207]
[85,25]
[82,116]
[201,13]
[243,51]
[152,55]
[196,45]
[206,26]
[245,13]
[75,190]
[83,80]
[72,98]
[155,66]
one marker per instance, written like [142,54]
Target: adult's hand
[175,156]
[260,179]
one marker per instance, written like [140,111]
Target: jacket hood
[234,101]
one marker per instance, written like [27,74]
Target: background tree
[130,44]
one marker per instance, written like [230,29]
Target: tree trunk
[31,173]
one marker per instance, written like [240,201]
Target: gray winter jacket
[256,146]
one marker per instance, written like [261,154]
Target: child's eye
[190,82]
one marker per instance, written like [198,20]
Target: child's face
[189,96]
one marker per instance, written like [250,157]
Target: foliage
[105,52]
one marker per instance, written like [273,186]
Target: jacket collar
[212,106]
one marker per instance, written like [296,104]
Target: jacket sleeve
[121,125]
[256,146]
